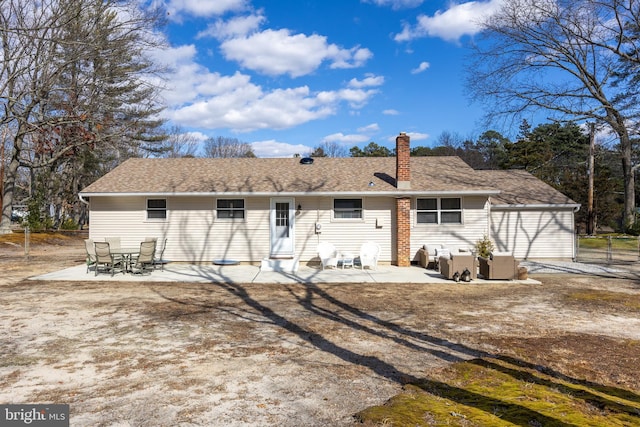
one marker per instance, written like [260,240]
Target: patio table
[127,255]
[347,259]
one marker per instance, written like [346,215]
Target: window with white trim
[230,208]
[156,208]
[347,208]
[444,210]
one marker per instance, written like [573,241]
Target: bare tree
[560,56]
[73,78]
[221,146]
[330,149]
[451,140]
[179,144]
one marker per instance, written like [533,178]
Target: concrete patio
[182,272]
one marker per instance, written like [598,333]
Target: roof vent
[306,161]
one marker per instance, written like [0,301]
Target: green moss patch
[598,297]
[503,392]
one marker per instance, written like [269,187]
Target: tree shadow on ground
[316,301]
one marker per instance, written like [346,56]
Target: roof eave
[295,193]
[521,206]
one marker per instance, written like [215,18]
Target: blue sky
[286,76]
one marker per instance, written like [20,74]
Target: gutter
[82,199]
[574,206]
[298,194]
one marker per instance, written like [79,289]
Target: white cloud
[451,24]
[351,58]
[422,67]
[198,136]
[391,112]
[272,148]
[373,127]
[395,4]
[211,101]
[202,99]
[415,136]
[345,139]
[277,52]
[204,8]
[248,108]
[363,135]
[357,98]
[235,27]
[188,81]
[368,81]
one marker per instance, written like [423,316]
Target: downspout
[489,219]
[86,202]
[576,241]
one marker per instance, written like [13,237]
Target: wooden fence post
[27,239]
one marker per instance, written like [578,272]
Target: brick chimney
[403,204]
[403,168]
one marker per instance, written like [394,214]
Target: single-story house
[255,209]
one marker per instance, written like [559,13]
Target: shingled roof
[284,175]
[518,187]
[350,175]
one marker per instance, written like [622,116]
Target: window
[156,209]
[427,211]
[230,208]
[347,208]
[446,210]
[450,210]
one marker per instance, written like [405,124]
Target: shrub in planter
[484,246]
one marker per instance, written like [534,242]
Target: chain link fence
[608,249]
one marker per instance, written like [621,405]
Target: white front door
[282,217]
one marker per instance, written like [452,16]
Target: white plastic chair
[328,255]
[369,254]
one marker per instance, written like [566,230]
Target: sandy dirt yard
[160,354]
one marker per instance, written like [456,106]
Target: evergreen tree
[74,78]
[371,150]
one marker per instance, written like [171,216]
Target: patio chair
[501,266]
[369,254]
[158,256]
[114,243]
[144,262]
[456,263]
[91,253]
[429,254]
[105,258]
[328,255]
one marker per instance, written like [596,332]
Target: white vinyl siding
[474,225]
[193,233]
[534,234]
[376,225]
